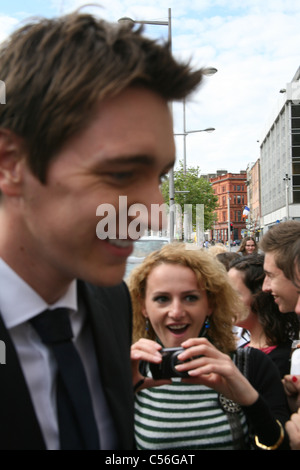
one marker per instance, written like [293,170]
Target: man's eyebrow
[143,160]
[129,160]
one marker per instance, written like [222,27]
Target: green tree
[199,192]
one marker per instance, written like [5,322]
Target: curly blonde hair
[210,274]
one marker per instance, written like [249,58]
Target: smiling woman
[193,389]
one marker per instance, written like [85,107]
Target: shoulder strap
[240,359]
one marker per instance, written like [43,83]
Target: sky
[253,44]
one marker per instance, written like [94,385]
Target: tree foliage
[199,192]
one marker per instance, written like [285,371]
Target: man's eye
[163,178]
[122,175]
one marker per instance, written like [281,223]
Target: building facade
[231,190]
[253,196]
[280,159]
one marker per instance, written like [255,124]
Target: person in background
[293,270]
[217,248]
[248,246]
[269,330]
[86,120]
[292,382]
[207,394]
[227,257]
[278,245]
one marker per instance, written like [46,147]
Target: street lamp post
[287,179]
[185,133]
[208,71]
[171,172]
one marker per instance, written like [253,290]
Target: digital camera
[166,368]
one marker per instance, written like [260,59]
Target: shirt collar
[19,302]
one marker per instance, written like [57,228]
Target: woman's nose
[176,310]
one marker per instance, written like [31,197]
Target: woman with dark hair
[270,330]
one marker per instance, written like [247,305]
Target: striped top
[182,416]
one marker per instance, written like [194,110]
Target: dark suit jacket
[109,311]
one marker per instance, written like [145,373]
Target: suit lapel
[19,426]
[110,317]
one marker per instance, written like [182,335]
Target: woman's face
[174,304]
[250,247]
[236,279]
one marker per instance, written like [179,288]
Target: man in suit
[86,121]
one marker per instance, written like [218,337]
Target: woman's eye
[191,298]
[161,299]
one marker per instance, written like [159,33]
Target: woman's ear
[11,162]
[144,312]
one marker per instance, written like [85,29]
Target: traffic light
[231,227]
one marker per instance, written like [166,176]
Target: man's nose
[266,287]
[297,307]
[156,215]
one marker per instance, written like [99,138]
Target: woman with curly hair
[270,330]
[203,393]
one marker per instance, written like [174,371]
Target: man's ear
[11,162]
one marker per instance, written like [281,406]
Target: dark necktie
[77,425]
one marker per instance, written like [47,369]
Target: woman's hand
[293,429]
[145,350]
[291,384]
[215,370]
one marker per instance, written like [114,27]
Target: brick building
[231,190]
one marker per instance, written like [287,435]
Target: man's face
[297,284]
[282,289]
[124,151]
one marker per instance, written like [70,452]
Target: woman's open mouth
[178,329]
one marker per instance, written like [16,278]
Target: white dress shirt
[18,304]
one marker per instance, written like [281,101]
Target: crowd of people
[91,361]
[183,297]
[227,398]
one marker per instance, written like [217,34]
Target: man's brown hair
[57,70]
[280,240]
